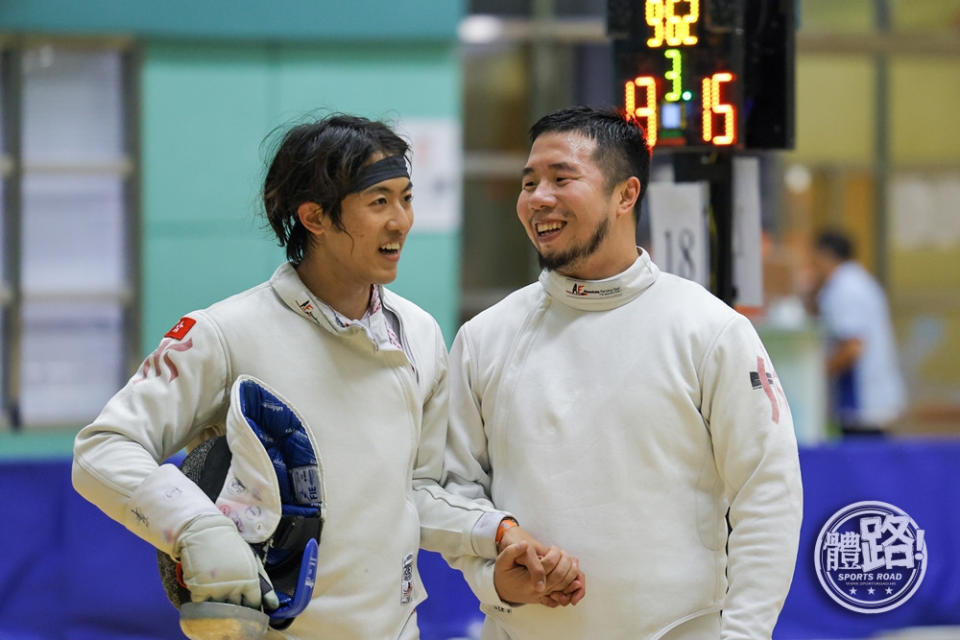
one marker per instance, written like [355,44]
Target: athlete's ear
[311,217]
[629,191]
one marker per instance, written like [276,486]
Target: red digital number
[645,112]
[712,106]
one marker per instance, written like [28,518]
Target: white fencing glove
[219,565]
[172,513]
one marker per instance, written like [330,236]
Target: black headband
[385,169]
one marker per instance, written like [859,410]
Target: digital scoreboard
[706,74]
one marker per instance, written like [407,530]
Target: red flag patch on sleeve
[180,329]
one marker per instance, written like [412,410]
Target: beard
[571,255]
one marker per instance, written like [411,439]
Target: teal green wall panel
[429,275]
[240,19]
[374,81]
[206,109]
[36,444]
[192,271]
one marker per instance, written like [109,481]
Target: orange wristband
[506,523]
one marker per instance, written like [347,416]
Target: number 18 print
[678,220]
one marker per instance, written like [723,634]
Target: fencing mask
[265,475]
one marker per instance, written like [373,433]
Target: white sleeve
[451,522]
[467,470]
[175,393]
[756,455]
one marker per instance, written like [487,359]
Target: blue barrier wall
[67,571]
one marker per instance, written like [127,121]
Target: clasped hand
[528,572]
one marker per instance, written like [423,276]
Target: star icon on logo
[870,590]
[853,590]
[889,590]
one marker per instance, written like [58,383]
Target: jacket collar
[295,294]
[602,295]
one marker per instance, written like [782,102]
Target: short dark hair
[621,151]
[318,162]
[836,243]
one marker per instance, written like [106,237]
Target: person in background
[627,413]
[867,389]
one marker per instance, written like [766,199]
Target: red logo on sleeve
[180,329]
[767,380]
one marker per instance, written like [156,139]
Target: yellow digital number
[655,14]
[669,26]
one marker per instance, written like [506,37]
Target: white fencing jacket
[621,419]
[377,412]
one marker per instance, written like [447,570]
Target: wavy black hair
[318,162]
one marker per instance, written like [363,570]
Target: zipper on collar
[404,343]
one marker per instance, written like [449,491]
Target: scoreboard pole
[716,168]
